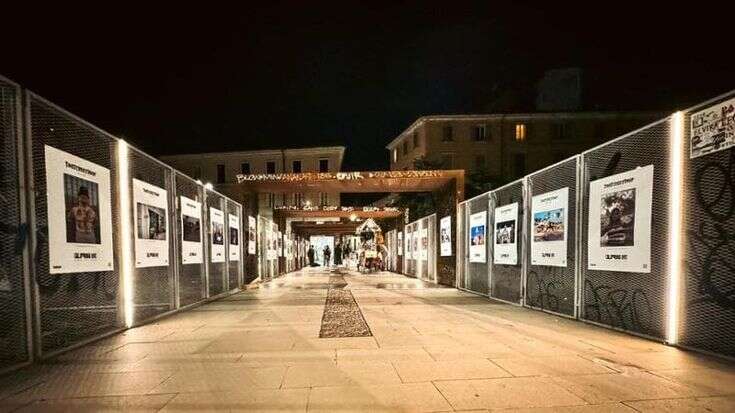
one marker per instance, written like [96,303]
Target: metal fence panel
[707,317]
[191,277]
[216,271]
[553,288]
[478,272]
[71,308]
[153,287]
[14,323]
[634,302]
[505,282]
[234,270]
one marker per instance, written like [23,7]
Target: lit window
[520,132]
[395,155]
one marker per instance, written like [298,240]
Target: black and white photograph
[505,232]
[217,229]
[233,223]
[617,219]
[151,222]
[192,251]
[251,235]
[445,236]
[192,229]
[79,214]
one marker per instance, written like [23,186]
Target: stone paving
[431,349]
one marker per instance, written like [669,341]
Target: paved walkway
[431,349]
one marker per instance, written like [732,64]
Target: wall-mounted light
[125,231]
[208,186]
[675,226]
[353,217]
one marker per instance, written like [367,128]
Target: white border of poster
[150,252]
[252,234]
[552,208]
[478,247]
[445,236]
[234,223]
[279,246]
[400,244]
[424,246]
[409,245]
[505,236]
[712,129]
[65,171]
[191,251]
[217,250]
[629,250]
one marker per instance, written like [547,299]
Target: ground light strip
[675,227]
[125,232]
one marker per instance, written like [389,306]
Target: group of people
[339,253]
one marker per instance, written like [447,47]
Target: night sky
[298,74]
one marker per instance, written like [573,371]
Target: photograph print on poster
[79,214]
[251,235]
[424,243]
[505,250]
[548,238]
[712,129]
[191,233]
[234,224]
[150,215]
[217,226]
[478,235]
[445,236]
[400,243]
[619,232]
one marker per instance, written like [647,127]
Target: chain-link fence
[505,242]
[552,238]
[235,253]
[476,228]
[215,242]
[14,299]
[707,301]
[192,271]
[423,248]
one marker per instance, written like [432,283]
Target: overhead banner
[217,227]
[619,234]
[191,235]
[79,214]
[713,129]
[234,222]
[505,250]
[150,214]
[251,235]
[550,213]
[400,243]
[445,236]
[424,243]
[478,231]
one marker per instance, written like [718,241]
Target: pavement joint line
[444,396]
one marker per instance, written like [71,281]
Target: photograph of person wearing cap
[82,224]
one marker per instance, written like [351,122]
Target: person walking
[310,255]
[327,255]
[338,254]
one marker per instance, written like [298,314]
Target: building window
[270,167]
[447,134]
[298,199]
[198,172]
[480,162]
[271,200]
[520,132]
[323,165]
[447,160]
[405,148]
[519,164]
[480,133]
[323,198]
[296,167]
[395,155]
[415,139]
[245,168]
[220,174]
[561,130]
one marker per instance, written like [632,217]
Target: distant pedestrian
[327,255]
[310,255]
[338,254]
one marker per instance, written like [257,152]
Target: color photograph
[548,225]
[477,235]
[82,210]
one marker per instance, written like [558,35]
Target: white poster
[478,231]
[400,243]
[270,251]
[424,243]
[445,236]
[713,129]
[234,237]
[279,248]
[79,214]
[150,214]
[550,212]
[619,234]
[505,250]
[217,227]
[191,236]
[409,242]
[251,235]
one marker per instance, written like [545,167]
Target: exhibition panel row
[98,236]
[630,235]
